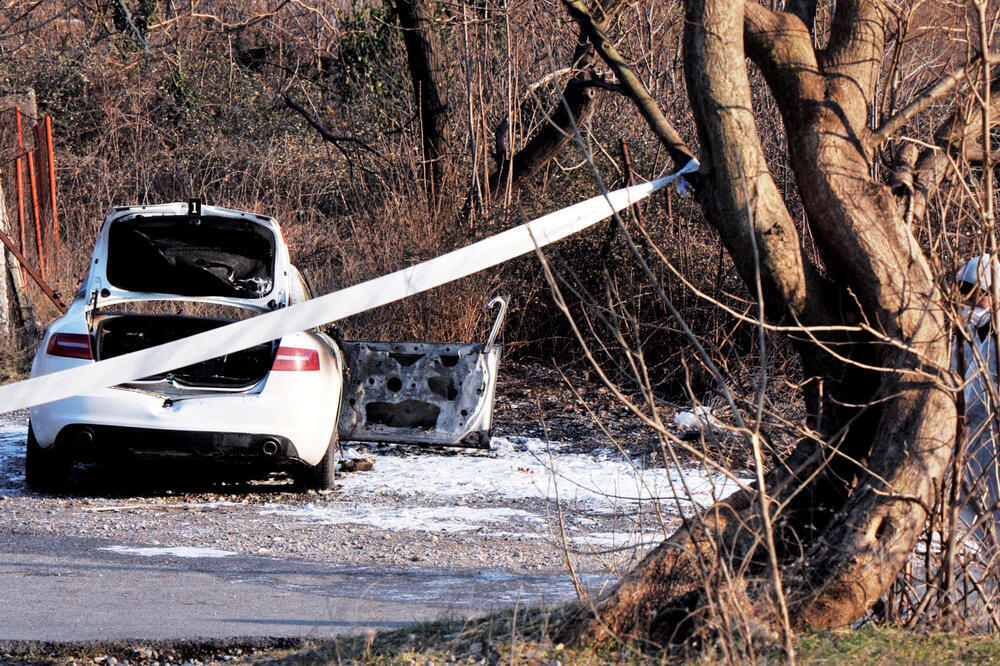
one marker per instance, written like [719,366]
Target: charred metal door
[420,392]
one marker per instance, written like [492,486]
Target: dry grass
[203,117]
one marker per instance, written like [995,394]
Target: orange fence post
[53,296]
[19,175]
[50,158]
[33,184]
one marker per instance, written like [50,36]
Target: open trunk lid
[189,252]
[421,392]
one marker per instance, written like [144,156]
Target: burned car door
[421,392]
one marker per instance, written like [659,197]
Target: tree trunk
[18,314]
[423,54]
[855,497]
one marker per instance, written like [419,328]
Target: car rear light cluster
[72,345]
[296,359]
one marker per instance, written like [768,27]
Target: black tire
[324,475]
[44,471]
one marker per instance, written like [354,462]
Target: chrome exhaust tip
[85,437]
[269,447]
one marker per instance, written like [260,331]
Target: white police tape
[331,307]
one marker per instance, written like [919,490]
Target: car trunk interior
[191,256]
[120,334]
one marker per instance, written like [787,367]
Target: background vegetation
[191,102]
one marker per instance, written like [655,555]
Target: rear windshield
[191,256]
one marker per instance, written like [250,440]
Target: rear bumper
[92,442]
[221,426]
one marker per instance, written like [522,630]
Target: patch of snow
[615,540]
[516,468]
[423,518]
[12,438]
[699,418]
[188,506]
[523,468]
[169,551]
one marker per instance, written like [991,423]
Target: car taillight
[73,345]
[296,359]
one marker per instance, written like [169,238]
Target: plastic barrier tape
[331,307]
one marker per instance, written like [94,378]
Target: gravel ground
[181,505]
[426,508]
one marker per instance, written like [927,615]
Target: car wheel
[44,471]
[324,475]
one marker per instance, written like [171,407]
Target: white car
[163,272]
[167,271]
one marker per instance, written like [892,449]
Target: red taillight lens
[73,345]
[296,360]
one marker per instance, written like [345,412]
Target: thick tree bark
[855,497]
[416,20]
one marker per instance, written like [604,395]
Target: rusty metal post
[33,184]
[53,296]
[19,175]
[50,158]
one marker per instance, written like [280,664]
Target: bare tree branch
[932,94]
[131,24]
[579,96]
[955,139]
[324,133]
[548,141]
[650,110]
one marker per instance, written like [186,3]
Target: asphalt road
[57,588]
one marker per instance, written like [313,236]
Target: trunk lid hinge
[91,311]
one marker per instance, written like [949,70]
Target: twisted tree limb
[575,106]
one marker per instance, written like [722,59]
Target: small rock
[357,464]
